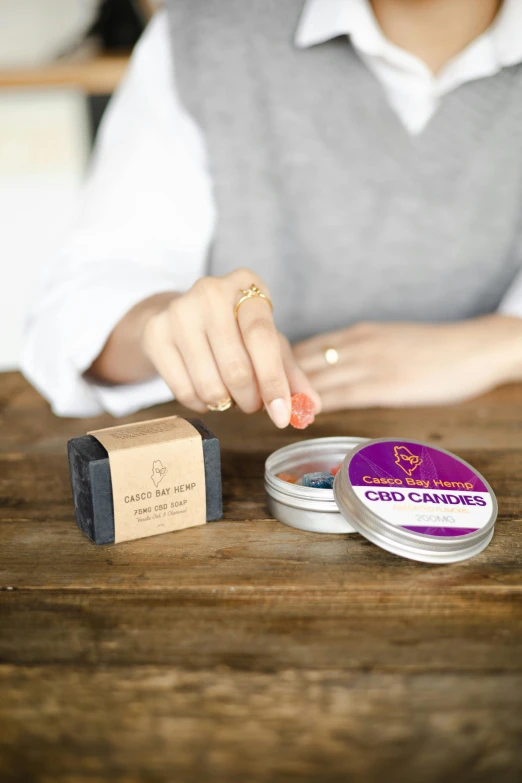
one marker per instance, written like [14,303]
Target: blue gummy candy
[318,480]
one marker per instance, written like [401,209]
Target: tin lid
[415,500]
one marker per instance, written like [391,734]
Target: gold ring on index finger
[251,293]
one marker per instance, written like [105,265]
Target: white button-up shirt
[135,235]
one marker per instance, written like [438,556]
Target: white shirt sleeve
[144,226]
[511,303]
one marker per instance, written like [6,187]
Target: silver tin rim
[415,546]
[311,510]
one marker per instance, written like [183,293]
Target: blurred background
[60,61]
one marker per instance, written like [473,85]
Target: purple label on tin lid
[420,488]
[415,465]
[441,531]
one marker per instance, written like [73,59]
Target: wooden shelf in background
[99,76]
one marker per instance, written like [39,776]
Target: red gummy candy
[302,411]
[335,471]
[287,477]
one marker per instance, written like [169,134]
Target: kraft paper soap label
[158,477]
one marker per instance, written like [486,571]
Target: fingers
[169,362]
[360,395]
[205,354]
[310,354]
[233,361]
[296,377]
[262,343]
[209,342]
[339,375]
[205,318]
[351,382]
[204,372]
[372,392]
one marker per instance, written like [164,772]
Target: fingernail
[279,413]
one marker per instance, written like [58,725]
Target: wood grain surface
[245,650]
[98,76]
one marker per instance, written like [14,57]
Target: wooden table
[246,651]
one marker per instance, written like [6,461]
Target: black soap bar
[92,486]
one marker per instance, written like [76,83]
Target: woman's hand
[205,355]
[398,364]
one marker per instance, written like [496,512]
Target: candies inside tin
[308,508]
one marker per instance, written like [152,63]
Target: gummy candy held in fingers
[318,480]
[302,411]
[287,477]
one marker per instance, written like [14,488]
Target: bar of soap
[92,486]
[318,480]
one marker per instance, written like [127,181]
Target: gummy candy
[334,471]
[302,411]
[318,480]
[287,477]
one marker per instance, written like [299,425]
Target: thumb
[297,380]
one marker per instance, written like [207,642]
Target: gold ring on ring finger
[222,405]
[331,356]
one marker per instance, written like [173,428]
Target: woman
[359,162]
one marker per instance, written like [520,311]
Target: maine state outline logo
[406,460]
[158,471]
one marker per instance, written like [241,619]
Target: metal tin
[313,510]
[410,498]
[390,506]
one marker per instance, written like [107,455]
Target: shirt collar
[322,20]
[506,33]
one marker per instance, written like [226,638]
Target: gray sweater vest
[321,190]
